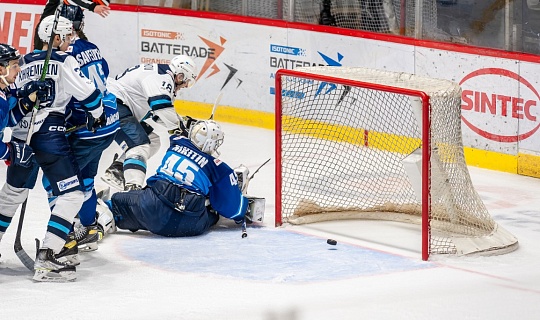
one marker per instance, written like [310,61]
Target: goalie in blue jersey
[189,192]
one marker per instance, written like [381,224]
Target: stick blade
[23,256]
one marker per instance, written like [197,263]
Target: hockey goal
[370,144]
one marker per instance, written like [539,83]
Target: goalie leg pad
[256,207]
[105,217]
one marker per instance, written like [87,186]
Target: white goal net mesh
[352,152]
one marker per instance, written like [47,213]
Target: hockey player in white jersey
[143,91]
[51,147]
[87,146]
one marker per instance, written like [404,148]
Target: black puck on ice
[331,242]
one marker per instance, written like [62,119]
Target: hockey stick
[45,68]
[17,246]
[23,256]
[259,168]
[218,99]
[75,128]
[244,231]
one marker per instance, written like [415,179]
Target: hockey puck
[331,242]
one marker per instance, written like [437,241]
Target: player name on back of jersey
[199,159]
[35,70]
[87,56]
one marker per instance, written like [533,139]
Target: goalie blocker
[256,207]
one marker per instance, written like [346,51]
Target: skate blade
[113,182]
[54,276]
[88,247]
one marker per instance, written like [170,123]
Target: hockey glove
[20,154]
[36,90]
[184,124]
[92,124]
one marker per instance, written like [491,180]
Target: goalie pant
[157,209]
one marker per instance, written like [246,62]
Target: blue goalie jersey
[187,166]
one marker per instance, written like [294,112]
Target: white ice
[374,272]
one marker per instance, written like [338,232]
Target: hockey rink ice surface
[374,272]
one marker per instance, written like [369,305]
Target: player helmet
[207,136]
[75,15]
[7,54]
[185,65]
[63,28]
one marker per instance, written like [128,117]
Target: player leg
[53,154]
[135,136]
[88,154]
[139,143]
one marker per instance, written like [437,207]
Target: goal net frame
[499,241]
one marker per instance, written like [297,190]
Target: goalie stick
[216,103]
[17,246]
[259,168]
[244,229]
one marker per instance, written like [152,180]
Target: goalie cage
[370,144]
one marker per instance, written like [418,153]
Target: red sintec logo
[491,112]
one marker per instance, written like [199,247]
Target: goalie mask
[184,65]
[207,136]
[63,28]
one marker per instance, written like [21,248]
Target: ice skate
[69,253]
[87,237]
[114,175]
[132,187]
[49,269]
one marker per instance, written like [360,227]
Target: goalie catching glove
[242,173]
[256,206]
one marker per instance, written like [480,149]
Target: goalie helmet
[207,136]
[63,28]
[7,54]
[75,15]
[185,65]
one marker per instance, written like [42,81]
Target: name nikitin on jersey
[200,160]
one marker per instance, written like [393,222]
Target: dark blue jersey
[10,114]
[91,62]
[95,68]
[187,166]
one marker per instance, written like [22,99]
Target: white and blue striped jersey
[68,81]
[147,88]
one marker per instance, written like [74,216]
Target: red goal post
[357,143]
